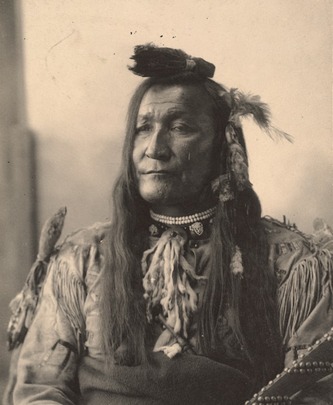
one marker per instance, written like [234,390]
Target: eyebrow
[172,113]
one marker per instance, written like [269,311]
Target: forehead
[189,98]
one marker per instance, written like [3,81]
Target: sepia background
[65,88]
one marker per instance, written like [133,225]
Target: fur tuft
[152,61]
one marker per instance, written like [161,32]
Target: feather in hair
[248,104]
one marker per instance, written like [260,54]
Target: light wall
[77,87]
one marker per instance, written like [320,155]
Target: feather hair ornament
[243,105]
[153,61]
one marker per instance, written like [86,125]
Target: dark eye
[143,128]
[181,128]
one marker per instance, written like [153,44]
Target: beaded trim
[199,230]
[305,364]
[186,220]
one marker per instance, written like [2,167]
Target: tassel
[152,61]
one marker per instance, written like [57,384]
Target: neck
[177,211]
[185,208]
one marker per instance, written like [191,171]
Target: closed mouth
[157,172]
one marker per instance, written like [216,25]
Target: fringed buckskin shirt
[61,361]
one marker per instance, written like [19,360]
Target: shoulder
[74,268]
[280,232]
[81,241]
[304,272]
[288,246]
[94,234]
[81,253]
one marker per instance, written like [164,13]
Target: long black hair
[251,298]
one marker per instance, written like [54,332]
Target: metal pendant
[197,228]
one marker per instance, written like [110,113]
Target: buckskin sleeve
[47,368]
[305,283]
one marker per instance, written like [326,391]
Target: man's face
[174,144]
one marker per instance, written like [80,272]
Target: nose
[158,145]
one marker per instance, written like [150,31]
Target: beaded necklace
[197,226]
[185,220]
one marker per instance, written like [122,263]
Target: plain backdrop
[77,88]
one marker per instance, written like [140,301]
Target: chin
[159,195]
[159,199]
[170,193]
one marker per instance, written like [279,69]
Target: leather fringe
[302,291]
[70,292]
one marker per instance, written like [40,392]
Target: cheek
[137,154]
[199,160]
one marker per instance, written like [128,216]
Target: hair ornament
[237,160]
[243,105]
[236,264]
[222,189]
[190,65]
[153,61]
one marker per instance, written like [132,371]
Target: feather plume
[249,104]
[152,61]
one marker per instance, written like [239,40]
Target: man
[176,301]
